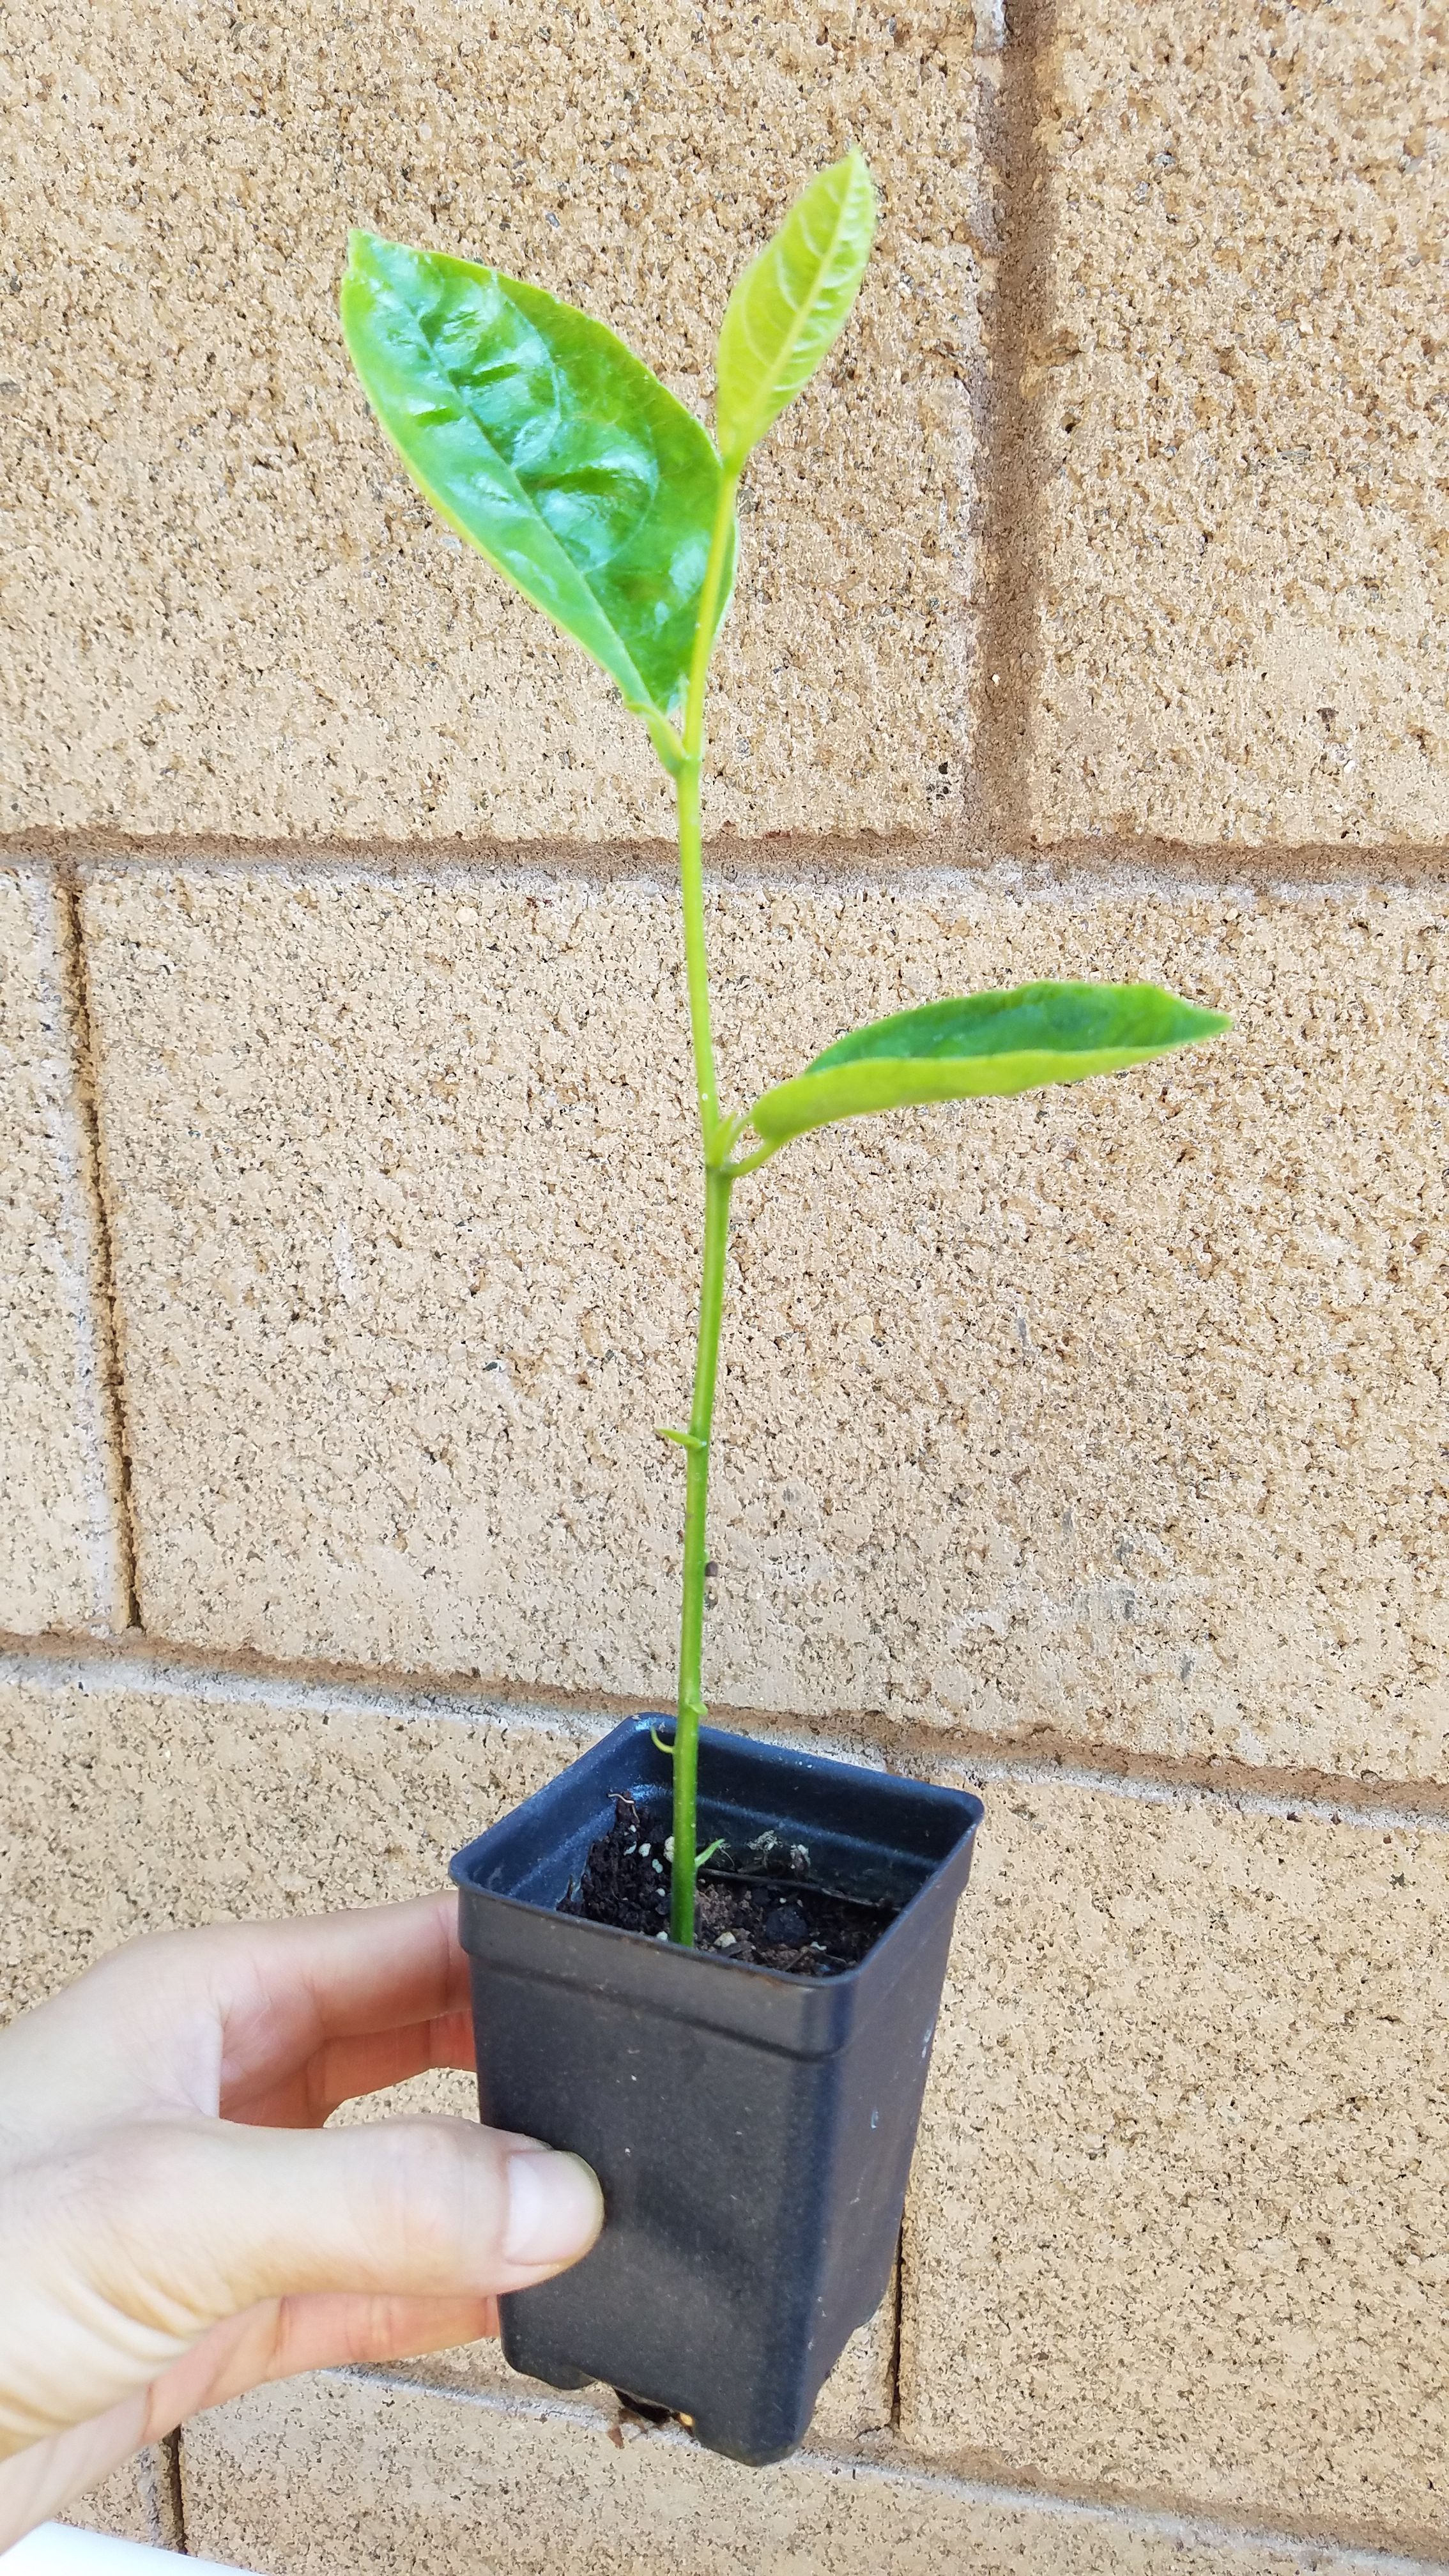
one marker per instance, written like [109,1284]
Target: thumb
[217,2216]
[121,2254]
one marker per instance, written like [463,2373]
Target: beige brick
[234,615]
[136,2502]
[136,1800]
[1180,2207]
[61,1562]
[320,2477]
[1241,435]
[860,2394]
[1114,1413]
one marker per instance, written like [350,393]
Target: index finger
[177,2018]
[287,1989]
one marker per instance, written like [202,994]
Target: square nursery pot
[752,2131]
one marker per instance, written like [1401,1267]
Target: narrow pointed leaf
[988,1043]
[791,304]
[549,446]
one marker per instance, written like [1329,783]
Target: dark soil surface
[758,1905]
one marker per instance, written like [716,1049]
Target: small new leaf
[791,304]
[551,448]
[985,1044]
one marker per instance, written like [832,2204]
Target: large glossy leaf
[791,304]
[549,446]
[987,1043]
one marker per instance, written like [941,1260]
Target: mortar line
[1162,2522]
[109,1306]
[891,861]
[1008,652]
[79,1249]
[151,1665]
[898,2318]
[175,2492]
[964,638]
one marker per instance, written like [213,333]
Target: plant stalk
[716,1136]
[717,1190]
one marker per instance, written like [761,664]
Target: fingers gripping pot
[752,2131]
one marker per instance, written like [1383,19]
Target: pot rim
[970,1807]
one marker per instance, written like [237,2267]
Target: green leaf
[550,447]
[791,304]
[988,1043]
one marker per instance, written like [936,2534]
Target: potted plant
[737,2039]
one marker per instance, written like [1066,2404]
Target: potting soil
[757,1906]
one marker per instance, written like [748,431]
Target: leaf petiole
[753,1162]
[667,744]
[727,1136]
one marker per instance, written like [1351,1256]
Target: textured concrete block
[138,2501]
[320,2477]
[859,2396]
[234,615]
[130,1805]
[1241,433]
[1115,1413]
[61,1562]
[1180,2207]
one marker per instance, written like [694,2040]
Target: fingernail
[555,2208]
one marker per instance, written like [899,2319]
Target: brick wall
[1089,1447]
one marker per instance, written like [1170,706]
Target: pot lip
[693,1961]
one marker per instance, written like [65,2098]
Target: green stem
[717,1189]
[696,962]
[717,1135]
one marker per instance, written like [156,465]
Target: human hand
[171,2231]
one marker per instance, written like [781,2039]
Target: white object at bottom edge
[56,2550]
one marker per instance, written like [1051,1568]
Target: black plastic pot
[752,2131]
